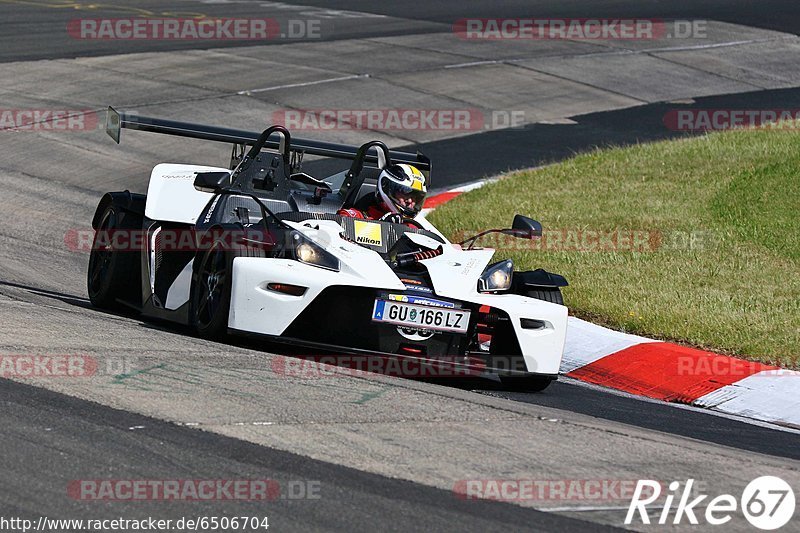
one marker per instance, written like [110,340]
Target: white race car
[259,249]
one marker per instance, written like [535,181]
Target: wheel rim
[211,285]
[102,252]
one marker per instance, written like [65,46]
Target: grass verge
[695,240]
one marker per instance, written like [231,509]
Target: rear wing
[115,121]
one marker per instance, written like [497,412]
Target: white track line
[304,84]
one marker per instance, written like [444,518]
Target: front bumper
[335,311]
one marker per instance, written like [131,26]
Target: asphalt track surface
[482,155]
[34,29]
[777,15]
[688,422]
[45,427]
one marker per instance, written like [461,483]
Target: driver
[398,197]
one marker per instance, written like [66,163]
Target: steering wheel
[353,179]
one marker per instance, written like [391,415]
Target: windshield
[336,180]
[385,235]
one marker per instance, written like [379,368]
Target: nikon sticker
[368,233]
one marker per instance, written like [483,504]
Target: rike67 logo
[768,503]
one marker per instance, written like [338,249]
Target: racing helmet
[401,188]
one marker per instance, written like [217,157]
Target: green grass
[721,269]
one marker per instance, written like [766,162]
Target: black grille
[157,252]
[342,316]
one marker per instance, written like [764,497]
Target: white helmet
[402,189]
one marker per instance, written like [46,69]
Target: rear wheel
[112,274]
[552,295]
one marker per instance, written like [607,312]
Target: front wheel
[211,293]
[548,294]
[212,283]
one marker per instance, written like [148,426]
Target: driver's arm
[352,213]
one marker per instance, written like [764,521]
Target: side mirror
[212,181]
[522,227]
[526,227]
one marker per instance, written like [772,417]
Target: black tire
[113,275]
[534,383]
[505,350]
[526,383]
[552,295]
[211,288]
[211,293]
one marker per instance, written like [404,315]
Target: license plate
[421,316]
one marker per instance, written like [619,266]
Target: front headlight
[307,251]
[496,277]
